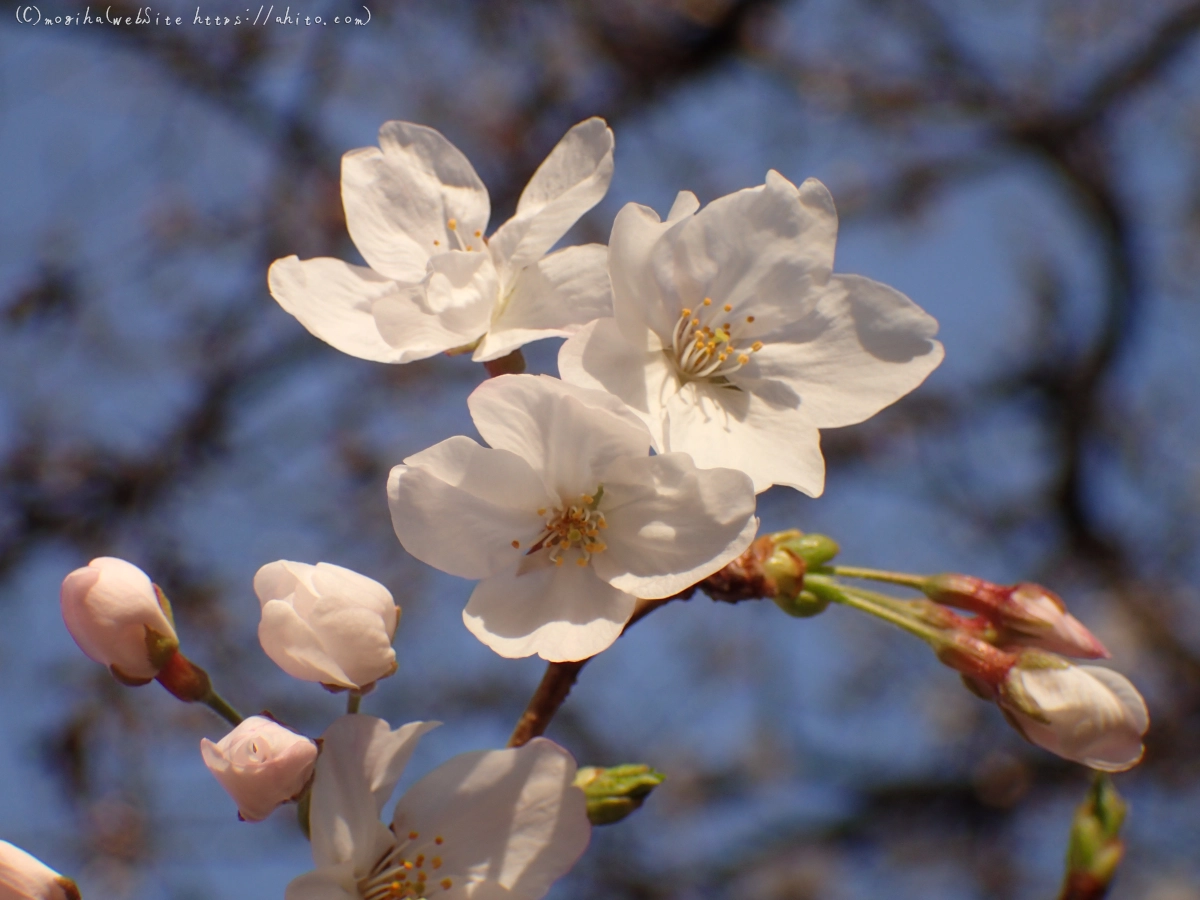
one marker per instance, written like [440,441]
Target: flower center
[575,526]
[404,874]
[458,241]
[707,348]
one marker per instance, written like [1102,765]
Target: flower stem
[904,578]
[221,707]
[353,699]
[879,605]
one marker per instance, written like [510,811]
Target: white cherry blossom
[1088,714]
[25,877]
[488,824]
[260,764]
[417,212]
[734,341]
[116,617]
[567,520]
[326,623]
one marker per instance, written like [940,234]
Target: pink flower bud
[1025,614]
[260,764]
[1035,617]
[1087,714]
[115,616]
[327,624]
[25,877]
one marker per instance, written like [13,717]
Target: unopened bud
[119,618]
[804,605]
[1095,848]
[25,877]
[1025,614]
[814,549]
[261,765]
[1087,714]
[612,794]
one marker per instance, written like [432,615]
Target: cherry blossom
[1088,714]
[733,340]
[260,764]
[567,519]
[117,618]
[325,623]
[25,877]
[417,212]
[485,824]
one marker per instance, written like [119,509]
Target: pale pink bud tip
[25,877]
[113,612]
[1087,714]
[1036,617]
[261,765]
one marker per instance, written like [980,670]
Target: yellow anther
[684,313]
[446,884]
[581,562]
[421,876]
[588,499]
[469,247]
[558,560]
[420,860]
[516,545]
[542,511]
[749,318]
[407,864]
[478,233]
[436,242]
[695,322]
[436,862]
[438,840]
[708,301]
[756,346]
[743,358]
[728,307]
[413,835]
[452,224]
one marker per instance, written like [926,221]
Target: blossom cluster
[703,353]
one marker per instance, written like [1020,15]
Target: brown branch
[742,579]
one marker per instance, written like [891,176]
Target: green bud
[614,793]
[814,549]
[802,606]
[1095,848]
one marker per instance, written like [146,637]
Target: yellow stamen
[728,307]
[743,358]
[437,243]
[438,840]
[558,560]
[749,318]
[478,233]
[446,884]
[684,313]
[413,835]
[452,224]
[516,545]
[708,301]
[581,562]
[756,346]
[542,511]
[436,862]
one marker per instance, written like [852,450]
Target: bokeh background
[1026,170]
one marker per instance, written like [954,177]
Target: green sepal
[613,793]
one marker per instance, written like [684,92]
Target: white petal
[555,297]
[558,612]
[566,433]
[458,507]
[757,250]
[509,819]
[355,589]
[724,428]
[640,305]
[356,639]
[571,180]
[361,760]
[858,348]
[335,882]
[686,203]
[599,358]
[295,647]
[671,524]
[399,200]
[449,309]
[335,302]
